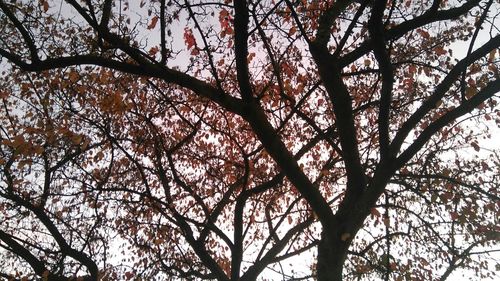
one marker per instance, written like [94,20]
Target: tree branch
[430,16]
[441,90]
[377,28]
[487,92]
[24,33]
[241,20]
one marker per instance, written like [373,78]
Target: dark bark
[332,254]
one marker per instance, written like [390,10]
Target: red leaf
[189,38]
[412,69]
[224,18]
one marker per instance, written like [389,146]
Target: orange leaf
[45,275]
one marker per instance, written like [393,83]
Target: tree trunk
[336,238]
[332,253]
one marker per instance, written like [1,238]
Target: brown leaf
[153,22]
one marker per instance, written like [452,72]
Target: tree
[218,140]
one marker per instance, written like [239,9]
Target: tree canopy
[238,140]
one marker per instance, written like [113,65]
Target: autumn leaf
[225,21]
[250,57]
[412,69]
[44,4]
[189,38]
[153,22]
[195,52]
[4,94]
[73,76]
[76,139]
[439,50]
[423,33]
[153,51]
[446,172]
[129,275]
[454,215]
[492,55]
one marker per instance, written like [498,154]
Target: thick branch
[146,69]
[326,21]
[377,28]
[241,19]
[106,14]
[163,30]
[340,97]
[237,248]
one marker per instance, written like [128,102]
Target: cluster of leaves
[238,136]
